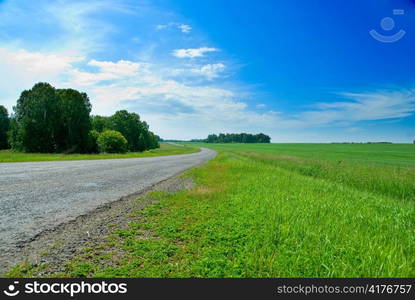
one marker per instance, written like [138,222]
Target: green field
[276,210]
[165,149]
[392,154]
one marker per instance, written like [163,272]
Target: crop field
[271,210]
[165,149]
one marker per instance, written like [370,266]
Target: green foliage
[13,136]
[130,126]
[4,127]
[111,141]
[137,133]
[37,116]
[92,146]
[238,138]
[48,120]
[101,123]
[74,121]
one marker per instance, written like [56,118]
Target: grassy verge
[250,217]
[165,149]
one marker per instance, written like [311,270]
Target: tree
[49,120]
[37,117]
[4,127]
[137,132]
[100,123]
[92,146]
[130,126]
[212,138]
[75,123]
[112,141]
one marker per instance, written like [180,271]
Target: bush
[112,141]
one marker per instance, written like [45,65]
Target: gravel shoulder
[56,246]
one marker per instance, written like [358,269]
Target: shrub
[112,141]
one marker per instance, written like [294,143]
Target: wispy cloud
[209,71]
[368,106]
[193,52]
[185,28]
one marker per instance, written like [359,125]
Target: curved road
[36,196]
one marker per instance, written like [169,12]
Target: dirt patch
[57,246]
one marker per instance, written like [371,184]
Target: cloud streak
[184,28]
[369,106]
[193,52]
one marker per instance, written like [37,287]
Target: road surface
[36,196]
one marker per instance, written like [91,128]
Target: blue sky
[300,71]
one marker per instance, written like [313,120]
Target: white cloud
[260,105]
[36,63]
[193,52]
[161,26]
[120,68]
[209,71]
[20,69]
[185,28]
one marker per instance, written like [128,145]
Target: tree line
[50,120]
[238,138]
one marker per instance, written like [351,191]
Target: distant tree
[238,138]
[4,127]
[112,141]
[75,122]
[100,123]
[262,138]
[212,138]
[37,119]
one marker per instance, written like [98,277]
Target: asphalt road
[37,196]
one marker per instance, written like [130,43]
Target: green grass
[165,149]
[382,154]
[256,213]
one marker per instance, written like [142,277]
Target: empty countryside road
[36,196]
